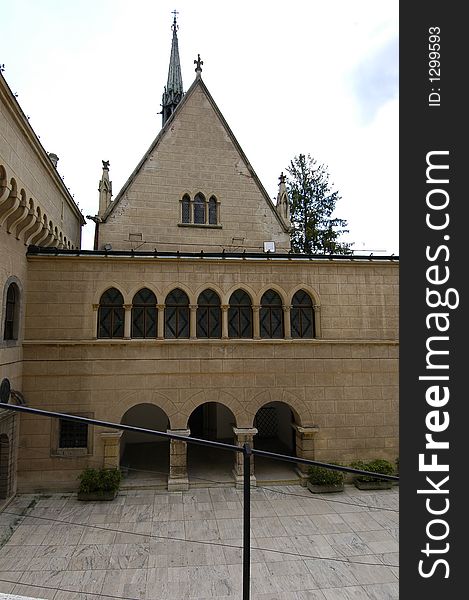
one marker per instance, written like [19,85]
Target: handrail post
[246,520]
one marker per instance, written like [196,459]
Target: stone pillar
[243,436]
[193,321]
[96,328]
[304,448]
[224,321]
[178,479]
[160,328]
[256,326]
[286,321]
[111,441]
[127,320]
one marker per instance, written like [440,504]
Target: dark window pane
[212,211]
[111,315]
[177,315]
[199,209]
[73,435]
[271,316]
[240,315]
[10,311]
[144,314]
[208,315]
[302,316]
[186,209]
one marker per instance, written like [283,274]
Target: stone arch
[211,395]
[209,286]
[104,287]
[307,288]
[144,397]
[272,286]
[178,285]
[18,316]
[129,296]
[298,406]
[239,286]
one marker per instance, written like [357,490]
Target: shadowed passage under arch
[144,458]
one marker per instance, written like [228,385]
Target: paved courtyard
[151,545]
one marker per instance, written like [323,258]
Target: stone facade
[332,392]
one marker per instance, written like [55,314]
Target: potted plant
[368,482]
[322,480]
[99,484]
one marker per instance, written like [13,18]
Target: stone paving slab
[152,545]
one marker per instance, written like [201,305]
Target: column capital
[193,306]
[287,307]
[244,430]
[305,431]
[95,306]
[184,432]
[224,307]
[317,307]
[256,307]
[127,306]
[111,435]
[160,306]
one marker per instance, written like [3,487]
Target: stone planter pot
[324,489]
[373,485]
[97,496]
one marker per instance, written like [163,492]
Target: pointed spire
[105,189]
[173,92]
[283,202]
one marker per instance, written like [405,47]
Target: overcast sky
[317,77]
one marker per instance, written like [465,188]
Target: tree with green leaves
[312,202]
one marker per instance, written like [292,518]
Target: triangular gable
[276,227]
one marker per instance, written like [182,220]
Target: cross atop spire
[173,92]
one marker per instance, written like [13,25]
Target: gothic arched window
[208,315]
[271,315]
[199,209]
[12,302]
[144,314]
[212,211]
[186,209]
[111,314]
[302,316]
[240,315]
[176,315]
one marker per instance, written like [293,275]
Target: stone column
[127,320]
[160,328]
[178,479]
[243,436]
[286,321]
[193,321]
[96,327]
[224,321]
[256,326]
[304,448]
[111,441]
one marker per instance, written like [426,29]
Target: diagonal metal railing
[246,450]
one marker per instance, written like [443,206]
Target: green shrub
[99,480]
[324,476]
[379,465]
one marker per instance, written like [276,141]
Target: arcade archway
[206,466]
[144,458]
[275,433]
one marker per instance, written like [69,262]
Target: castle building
[189,315]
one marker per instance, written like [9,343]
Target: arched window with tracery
[176,315]
[186,209]
[199,208]
[271,315]
[208,315]
[240,315]
[302,316]
[12,302]
[144,314]
[111,314]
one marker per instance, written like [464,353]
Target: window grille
[177,315]
[111,315]
[72,434]
[144,314]
[186,209]
[302,316]
[11,310]
[240,315]
[212,211]
[208,315]
[199,209]
[271,315]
